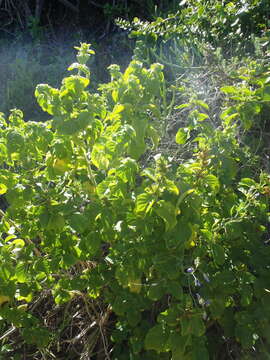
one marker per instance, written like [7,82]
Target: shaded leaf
[156,338]
[167,211]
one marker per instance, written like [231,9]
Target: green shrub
[175,249]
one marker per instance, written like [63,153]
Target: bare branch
[96,4]
[38,9]
[69,5]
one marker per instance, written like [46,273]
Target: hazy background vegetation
[37,39]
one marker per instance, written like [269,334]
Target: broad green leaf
[156,338]
[18,243]
[37,335]
[121,276]
[202,116]
[166,266]
[182,106]
[180,235]
[171,187]
[181,136]
[144,203]
[6,271]
[198,327]
[56,222]
[150,173]
[218,254]
[228,170]
[62,297]
[83,119]
[178,344]
[79,222]
[99,156]
[171,316]
[14,196]
[175,288]
[245,335]
[3,189]
[137,147]
[183,196]
[231,90]
[9,238]
[119,305]
[127,170]
[247,112]
[48,98]
[186,325]
[44,218]
[168,212]
[81,67]
[217,306]
[133,317]
[91,243]
[65,125]
[155,291]
[115,95]
[69,259]
[75,83]
[4,299]
[199,350]
[118,109]
[213,182]
[21,273]
[247,182]
[135,285]
[228,115]
[266,93]
[201,103]
[192,324]
[3,151]
[15,141]
[111,188]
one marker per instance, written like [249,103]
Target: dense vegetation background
[135,196]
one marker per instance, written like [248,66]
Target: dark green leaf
[218,254]
[79,222]
[167,212]
[156,338]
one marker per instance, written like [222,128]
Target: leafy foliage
[175,249]
[199,34]
[216,22]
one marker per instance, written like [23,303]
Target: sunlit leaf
[3,189]
[181,136]
[144,203]
[229,90]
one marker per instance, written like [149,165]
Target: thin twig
[69,5]
[8,332]
[95,4]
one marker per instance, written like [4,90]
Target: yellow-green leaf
[3,189]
